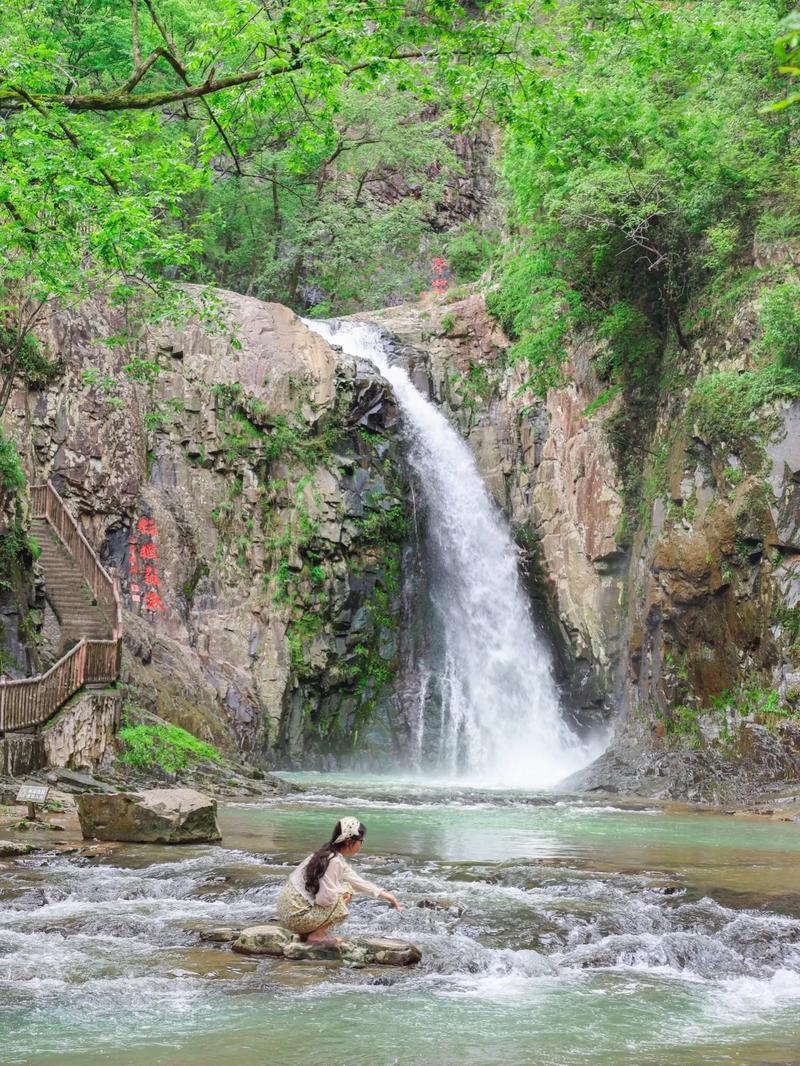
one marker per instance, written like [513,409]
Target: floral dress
[300,912]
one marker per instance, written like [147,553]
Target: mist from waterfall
[498,718]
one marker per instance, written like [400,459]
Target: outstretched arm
[367,888]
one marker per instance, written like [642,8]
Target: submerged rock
[154,816]
[446,905]
[360,951]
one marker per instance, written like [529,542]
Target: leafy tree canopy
[115,118]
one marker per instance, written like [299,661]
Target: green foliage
[725,405]
[312,225]
[723,242]
[382,527]
[200,571]
[682,721]
[632,347]
[600,401]
[33,365]
[12,476]
[633,171]
[780,322]
[788,618]
[145,370]
[448,323]
[264,145]
[787,51]
[468,253]
[299,633]
[166,747]
[17,549]
[476,385]
[538,310]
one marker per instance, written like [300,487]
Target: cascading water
[499,710]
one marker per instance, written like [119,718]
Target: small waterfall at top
[499,715]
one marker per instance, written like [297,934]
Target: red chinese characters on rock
[143,566]
[440,274]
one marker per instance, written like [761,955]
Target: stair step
[67,591]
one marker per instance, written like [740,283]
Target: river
[591,933]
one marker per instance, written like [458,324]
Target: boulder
[364,951]
[446,905]
[262,940]
[361,951]
[153,816]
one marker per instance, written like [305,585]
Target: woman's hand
[391,900]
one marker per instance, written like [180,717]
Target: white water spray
[500,715]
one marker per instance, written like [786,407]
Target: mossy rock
[277,942]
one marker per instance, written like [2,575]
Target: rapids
[591,933]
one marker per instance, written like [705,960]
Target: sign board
[32,794]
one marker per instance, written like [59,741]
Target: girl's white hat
[350,827]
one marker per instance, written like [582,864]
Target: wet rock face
[717,573]
[83,733]
[155,816]
[250,496]
[549,467]
[695,596]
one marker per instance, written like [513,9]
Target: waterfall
[498,713]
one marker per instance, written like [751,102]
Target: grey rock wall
[249,496]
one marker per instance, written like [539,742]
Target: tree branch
[177,61]
[123,99]
[72,138]
[142,69]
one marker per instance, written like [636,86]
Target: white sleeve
[360,885]
[330,884]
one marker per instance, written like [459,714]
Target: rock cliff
[674,611]
[243,483]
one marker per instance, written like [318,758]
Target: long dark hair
[320,860]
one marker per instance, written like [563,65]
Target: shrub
[723,404]
[780,321]
[165,746]
[469,253]
[12,476]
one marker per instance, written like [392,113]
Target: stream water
[590,934]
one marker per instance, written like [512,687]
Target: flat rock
[77,781]
[223,934]
[365,951]
[361,951]
[10,848]
[153,816]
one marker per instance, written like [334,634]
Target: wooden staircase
[87,603]
[67,591]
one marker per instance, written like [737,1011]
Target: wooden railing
[46,503]
[32,700]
